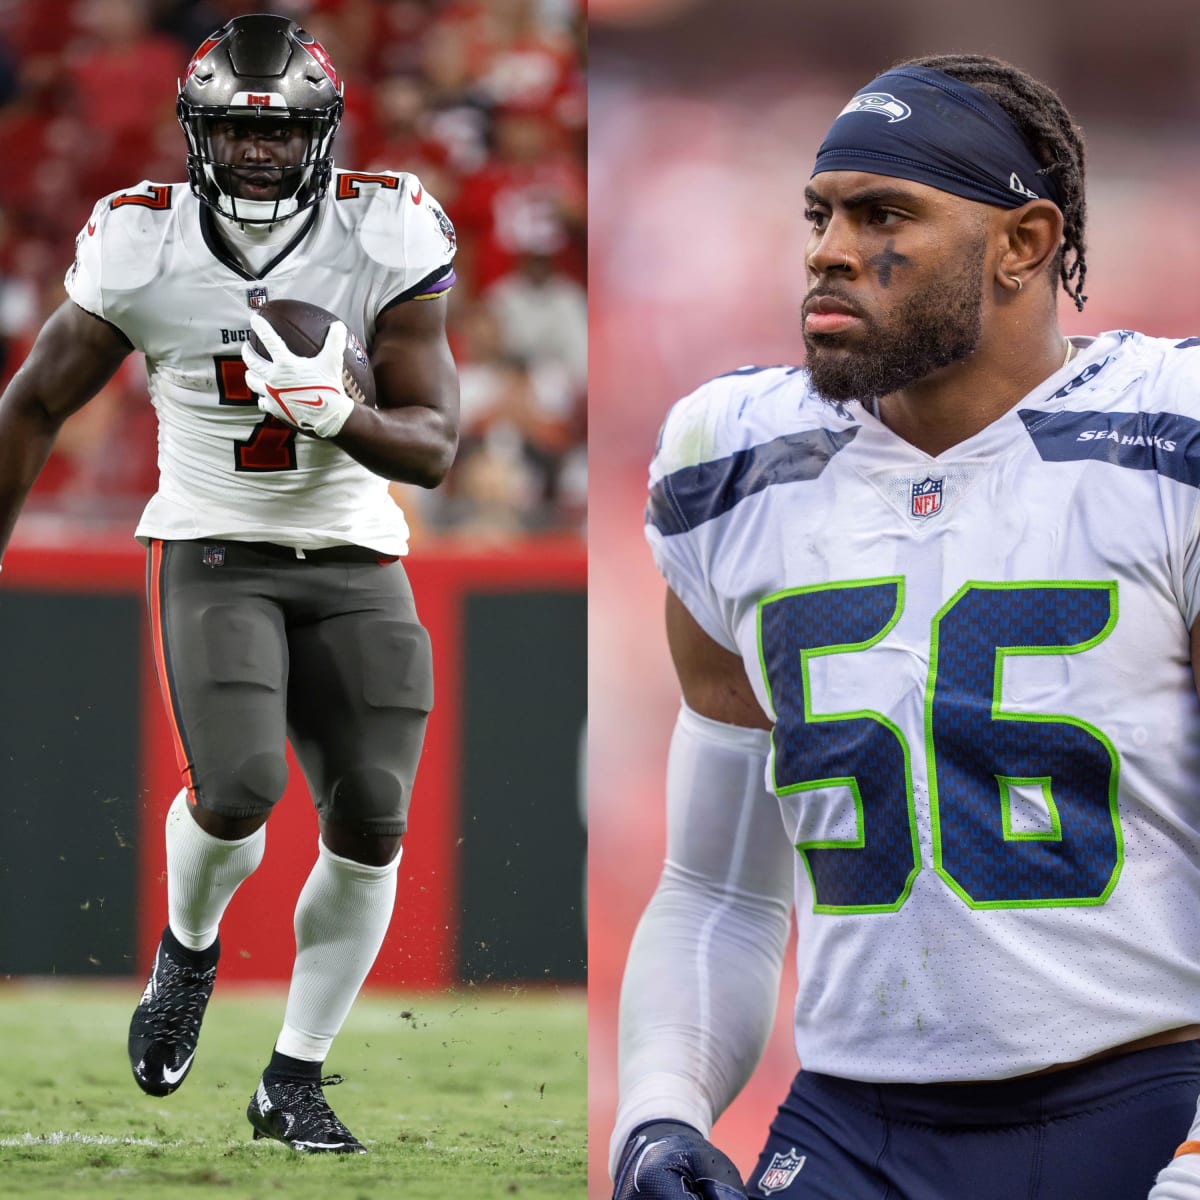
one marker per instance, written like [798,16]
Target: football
[302,327]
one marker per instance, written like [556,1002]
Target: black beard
[929,331]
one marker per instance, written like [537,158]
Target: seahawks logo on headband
[883,103]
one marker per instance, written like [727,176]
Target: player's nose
[832,251]
[256,149]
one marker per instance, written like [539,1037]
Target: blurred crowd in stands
[483,99]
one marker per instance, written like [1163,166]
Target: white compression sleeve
[698,997]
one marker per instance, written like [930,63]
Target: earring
[1017,280]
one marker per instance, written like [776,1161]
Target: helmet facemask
[298,184]
[260,68]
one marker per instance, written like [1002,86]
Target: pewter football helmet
[263,68]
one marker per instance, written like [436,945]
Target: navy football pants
[1101,1131]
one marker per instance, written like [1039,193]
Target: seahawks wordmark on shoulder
[1125,439]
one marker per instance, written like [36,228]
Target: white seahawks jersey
[150,261]
[987,737]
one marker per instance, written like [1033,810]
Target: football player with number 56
[278,604]
[934,605]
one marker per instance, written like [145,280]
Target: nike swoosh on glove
[668,1160]
[1180,1180]
[305,392]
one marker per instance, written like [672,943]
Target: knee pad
[371,800]
[244,789]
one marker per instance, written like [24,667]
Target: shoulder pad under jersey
[118,249]
[726,414]
[1172,373]
[402,227]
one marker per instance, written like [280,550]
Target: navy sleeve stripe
[1164,442]
[690,496]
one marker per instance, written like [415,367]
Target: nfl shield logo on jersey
[926,497]
[781,1170]
[256,297]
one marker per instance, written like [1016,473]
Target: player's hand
[1180,1180]
[305,392]
[667,1160]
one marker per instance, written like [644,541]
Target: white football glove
[305,392]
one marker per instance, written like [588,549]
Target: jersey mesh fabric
[147,268]
[963,916]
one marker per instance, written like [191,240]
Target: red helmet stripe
[322,56]
[209,45]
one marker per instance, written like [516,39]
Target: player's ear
[1033,235]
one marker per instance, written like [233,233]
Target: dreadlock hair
[1056,142]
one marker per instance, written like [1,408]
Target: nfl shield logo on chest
[926,497]
[781,1170]
[256,297]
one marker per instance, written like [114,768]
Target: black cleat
[166,1022]
[295,1112]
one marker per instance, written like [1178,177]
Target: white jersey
[151,263]
[987,736]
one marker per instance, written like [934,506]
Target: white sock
[203,872]
[341,918]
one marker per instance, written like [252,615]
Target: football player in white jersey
[279,607]
[934,604]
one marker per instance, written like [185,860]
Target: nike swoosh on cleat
[173,1077]
[318,1145]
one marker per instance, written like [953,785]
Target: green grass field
[478,1093]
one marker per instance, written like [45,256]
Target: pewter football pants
[254,645]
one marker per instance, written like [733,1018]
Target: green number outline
[850,781]
[1002,654]
[1006,782]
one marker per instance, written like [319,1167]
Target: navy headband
[919,124]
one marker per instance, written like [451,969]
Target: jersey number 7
[271,445]
[977,756]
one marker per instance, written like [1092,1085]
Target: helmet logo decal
[319,53]
[210,44]
[257,100]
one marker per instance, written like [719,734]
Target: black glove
[668,1160]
